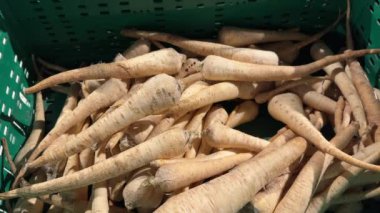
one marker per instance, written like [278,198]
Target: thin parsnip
[222,69]
[36,134]
[162,61]
[99,199]
[322,201]
[336,72]
[299,194]
[174,176]
[265,96]
[288,108]
[170,144]
[157,94]
[205,48]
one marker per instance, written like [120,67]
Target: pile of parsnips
[146,130]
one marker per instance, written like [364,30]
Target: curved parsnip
[161,61]
[205,48]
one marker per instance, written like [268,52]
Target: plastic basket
[68,32]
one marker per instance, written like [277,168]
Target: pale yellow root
[99,201]
[162,61]
[265,96]
[104,96]
[139,131]
[221,136]
[196,124]
[266,200]
[157,94]
[168,122]
[245,112]
[191,66]
[235,36]
[183,121]
[301,191]
[217,114]
[216,155]
[288,108]
[205,48]
[114,140]
[322,201]
[36,134]
[92,85]
[338,115]
[138,193]
[168,145]
[72,166]
[116,186]
[86,158]
[377,93]
[336,72]
[217,93]
[338,167]
[315,100]
[139,47]
[243,182]
[217,68]
[346,115]
[175,176]
[70,103]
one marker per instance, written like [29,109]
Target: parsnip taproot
[323,200]
[243,113]
[217,68]
[243,182]
[265,96]
[289,53]
[235,36]
[162,61]
[221,136]
[314,99]
[205,48]
[168,145]
[196,124]
[99,200]
[338,167]
[217,114]
[102,97]
[157,94]
[138,193]
[70,103]
[288,108]
[36,134]
[217,93]
[167,122]
[299,194]
[139,131]
[175,176]
[139,47]
[336,72]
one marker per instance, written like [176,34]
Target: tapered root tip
[30,90]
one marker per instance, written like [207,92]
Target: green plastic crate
[68,32]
